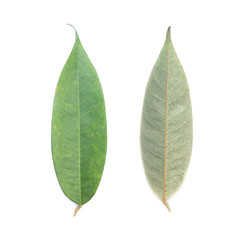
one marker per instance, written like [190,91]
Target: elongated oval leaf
[166,125]
[79,131]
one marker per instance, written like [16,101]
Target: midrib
[165,140]
[79,140]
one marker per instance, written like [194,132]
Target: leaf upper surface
[79,131]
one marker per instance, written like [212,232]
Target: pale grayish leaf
[166,125]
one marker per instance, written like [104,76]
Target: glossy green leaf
[166,125]
[79,131]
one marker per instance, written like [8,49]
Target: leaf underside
[166,124]
[79,131]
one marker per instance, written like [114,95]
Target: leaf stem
[167,205]
[76,210]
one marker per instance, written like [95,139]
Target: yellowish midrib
[165,139]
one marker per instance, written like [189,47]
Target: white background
[123,40]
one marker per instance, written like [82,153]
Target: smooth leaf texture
[79,131]
[166,125]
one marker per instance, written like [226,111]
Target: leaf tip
[72,26]
[169,32]
[76,210]
[76,34]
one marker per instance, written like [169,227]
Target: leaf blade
[166,125]
[79,131]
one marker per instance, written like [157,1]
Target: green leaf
[166,125]
[79,131]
